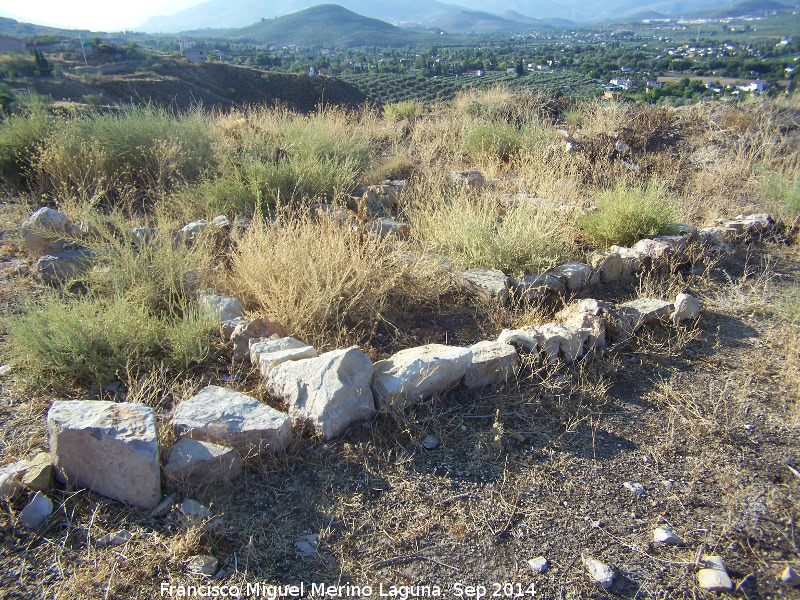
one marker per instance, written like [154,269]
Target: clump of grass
[322,281]
[492,140]
[138,312]
[401,110]
[627,213]
[22,136]
[782,192]
[144,147]
[94,340]
[524,238]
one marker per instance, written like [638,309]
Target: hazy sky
[97,15]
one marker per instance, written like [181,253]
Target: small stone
[637,489]
[714,577]
[39,473]
[196,460]
[686,307]
[273,345]
[538,565]
[645,310]
[790,577]
[164,506]
[256,328]
[118,538]
[574,274]
[386,227]
[473,179]
[143,235]
[430,442]
[11,479]
[666,535]
[622,147]
[599,572]
[223,308]
[221,222]
[655,249]
[530,288]
[5,370]
[668,483]
[202,564]
[489,285]
[307,544]
[226,328]
[192,508]
[44,231]
[527,338]
[193,229]
[39,508]
[62,266]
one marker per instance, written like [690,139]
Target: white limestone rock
[196,460]
[38,472]
[414,374]
[645,310]
[61,266]
[202,564]
[253,329]
[530,288]
[386,227]
[44,231]
[192,508]
[36,512]
[574,274]
[489,285]
[110,448]
[655,249]
[714,576]
[637,489]
[556,339]
[473,179]
[790,577]
[222,308]
[686,307]
[666,535]
[116,538]
[492,363]
[538,564]
[527,338]
[267,361]
[11,479]
[326,393]
[229,418]
[599,572]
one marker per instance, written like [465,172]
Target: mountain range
[468,15]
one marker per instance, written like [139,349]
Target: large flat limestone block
[227,417]
[492,363]
[110,448]
[417,373]
[327,393]
[490,285]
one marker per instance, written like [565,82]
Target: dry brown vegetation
[706,416]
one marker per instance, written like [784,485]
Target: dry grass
[324,282]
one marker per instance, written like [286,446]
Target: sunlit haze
[97,15]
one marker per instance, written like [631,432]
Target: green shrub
[144,147]
[94,340]
[22,136]
[401,110]
[627,213]
[783,192]
[524,238]
[498,140]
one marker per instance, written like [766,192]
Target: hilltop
[180,84]
[327,25]
[483,22]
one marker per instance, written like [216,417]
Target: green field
[386,88]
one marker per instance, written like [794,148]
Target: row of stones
[616,263]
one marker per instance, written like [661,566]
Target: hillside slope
[213,84]
[482,22]
[327,25]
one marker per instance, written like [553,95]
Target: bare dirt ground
[705,417]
